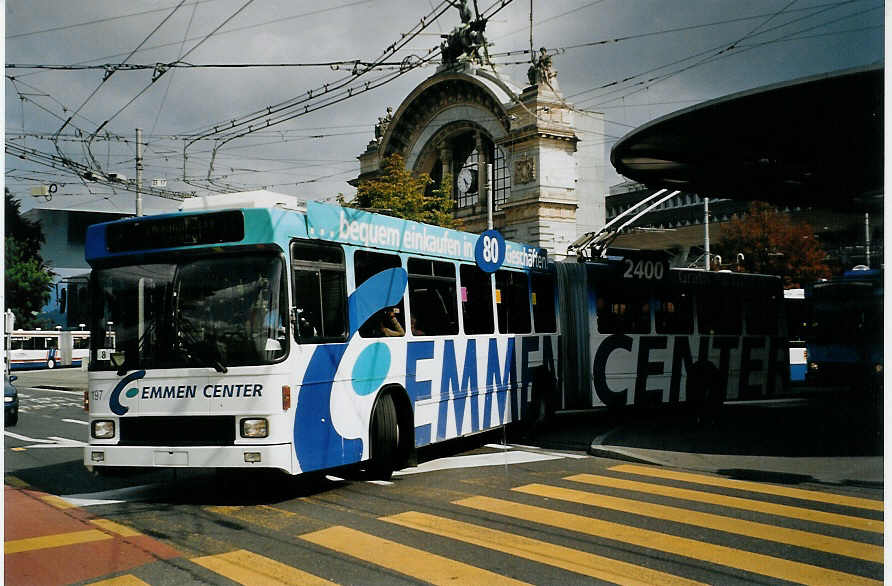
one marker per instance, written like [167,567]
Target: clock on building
[466,182]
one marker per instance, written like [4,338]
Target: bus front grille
[215,430]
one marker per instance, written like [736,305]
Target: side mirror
[13,378]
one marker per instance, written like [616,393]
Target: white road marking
[45,390]
[76,421]
[65,440]
[536,450]
[25,438]
[119,495]
[477,460]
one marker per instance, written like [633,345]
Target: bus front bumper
[243,456]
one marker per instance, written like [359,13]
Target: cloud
[314,155]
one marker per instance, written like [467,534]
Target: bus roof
[222,226]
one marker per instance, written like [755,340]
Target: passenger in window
[415,329]
[305,325]
[389,326]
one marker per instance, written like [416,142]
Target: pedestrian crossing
[630,524]
[748,549]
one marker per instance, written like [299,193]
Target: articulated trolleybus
[246,331]
[645,334]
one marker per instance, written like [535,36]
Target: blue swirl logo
[114,400]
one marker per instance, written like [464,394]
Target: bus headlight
[813,366]
[102,429]
[255,428]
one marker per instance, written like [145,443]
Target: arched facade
[458,121]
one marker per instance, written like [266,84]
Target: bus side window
[513,302]
[623,311]
[390,321]
[718,312]
[476,300]
[542,300]
[761,314]
[672,313]
[320,292]
[432,297]
[52,342]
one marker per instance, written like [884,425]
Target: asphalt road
[474,511]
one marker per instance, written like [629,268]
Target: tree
[772,243]
[399,192]
[28,279]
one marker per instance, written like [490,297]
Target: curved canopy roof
[816,141]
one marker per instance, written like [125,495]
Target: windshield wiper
[198,351]
[150,326]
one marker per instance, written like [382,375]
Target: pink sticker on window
[464,294]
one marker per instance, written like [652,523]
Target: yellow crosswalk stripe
[412,562]
[245,567]
[682,546]
[126,580]
[580,562]
[815,541]
[733,502]
[57,502]
[116,528]
[797,493]
[57,540]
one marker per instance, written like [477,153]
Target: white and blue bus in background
[845,334]
[251,331]
[797,315]
[34,349]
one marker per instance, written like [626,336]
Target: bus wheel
[385,439]
[51,363]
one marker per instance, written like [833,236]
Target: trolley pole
[706,230]
[138,172]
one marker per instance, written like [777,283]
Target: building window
[501,178]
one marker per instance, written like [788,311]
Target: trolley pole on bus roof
[706,230]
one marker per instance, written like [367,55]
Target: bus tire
[51,363]
[385,439]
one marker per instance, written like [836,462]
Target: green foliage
[28,279]
[773,244]
[398,192]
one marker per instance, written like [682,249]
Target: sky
[632,60]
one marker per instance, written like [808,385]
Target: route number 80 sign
[490,251]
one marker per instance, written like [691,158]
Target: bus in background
[32,349]
[657,335]
[248,331]
[845,337]
[796,313]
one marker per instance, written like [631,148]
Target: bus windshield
[844,313]
[213,311]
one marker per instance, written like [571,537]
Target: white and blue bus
[250,331]
[34,349]
[647,334]
[796,311]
